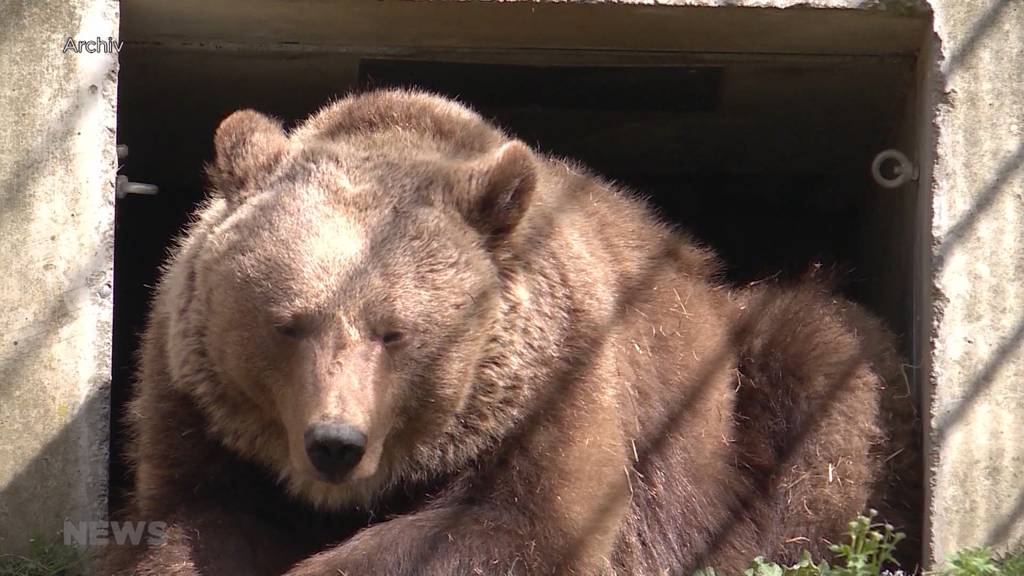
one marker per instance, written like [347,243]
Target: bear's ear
[248,146]
[500,189]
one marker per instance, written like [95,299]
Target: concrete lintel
[849,27]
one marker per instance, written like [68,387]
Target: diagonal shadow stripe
[981,383]
[1001,532]
[984,201]
[982,27]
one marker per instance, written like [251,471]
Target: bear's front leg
[468,540]
[206,540]
[545,511]
[471,540]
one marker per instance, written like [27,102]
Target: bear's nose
[334,449]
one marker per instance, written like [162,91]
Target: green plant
[805,567]
[870,549]
[971,562]
[982,562]
[44,558]
[1013,563]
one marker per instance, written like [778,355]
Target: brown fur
[575,392]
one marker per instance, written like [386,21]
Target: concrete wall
[57,168]
[976,375]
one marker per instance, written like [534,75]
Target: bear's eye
[296,327]
[392,337]
[289,329]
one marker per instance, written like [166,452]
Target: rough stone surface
[57,169]
[410,28]
[977,244]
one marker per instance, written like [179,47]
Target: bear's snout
[334,449]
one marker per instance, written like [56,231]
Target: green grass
[982,562]
[869,552]
[42,559]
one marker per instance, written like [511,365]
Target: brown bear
[397,341]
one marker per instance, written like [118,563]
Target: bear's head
[350,286]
